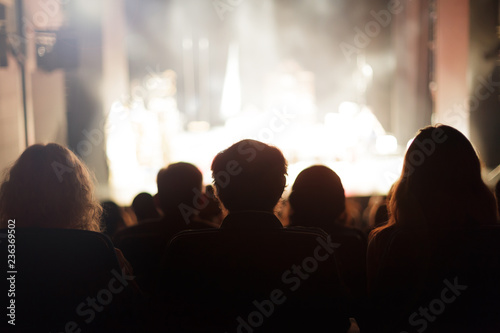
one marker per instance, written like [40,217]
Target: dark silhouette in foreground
[436,265]
[59,262]
[179,195]
[318,200]
[251,274]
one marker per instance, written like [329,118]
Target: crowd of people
[236,256]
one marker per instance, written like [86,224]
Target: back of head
[249,175]
[317,197]
[178,184]
[112,219]
[144,207]
[48,186]
[442,158]
[441,184]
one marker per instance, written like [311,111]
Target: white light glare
[348,108]
[386,144]
[367,70]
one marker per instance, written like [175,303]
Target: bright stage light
[408,144]
[198,126]
[386,144]
[348,108]
[367,70]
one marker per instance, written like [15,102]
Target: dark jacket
[252,274]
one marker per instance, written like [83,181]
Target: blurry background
[131,86]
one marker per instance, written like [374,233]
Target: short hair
[48,186]
[317,196]
[249,175]
[178,184]
[143,206]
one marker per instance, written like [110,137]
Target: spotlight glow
[386,144]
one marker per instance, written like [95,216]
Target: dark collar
[251,220]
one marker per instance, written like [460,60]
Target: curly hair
[48,186]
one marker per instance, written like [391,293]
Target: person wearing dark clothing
[47,202]
[441,238]
[179,198]
[252,274]
[318,200]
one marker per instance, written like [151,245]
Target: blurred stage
[131,86]
[146,132]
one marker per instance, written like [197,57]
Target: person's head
[249,175]
[440,185]
[48,186]
[144,208]
[212,211]
[178,185]
[112,219]
[317,197]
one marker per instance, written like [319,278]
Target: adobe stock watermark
[426,147]
[103,298]
[223,6]
[40,20]
[437,306]
[84,148]
[153,80]
[417,157]
[222,178]
[293,279]
[372,29]
[455,115]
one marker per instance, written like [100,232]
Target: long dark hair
[440,185]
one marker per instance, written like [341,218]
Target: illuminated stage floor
[365,176]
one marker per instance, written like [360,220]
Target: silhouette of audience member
[49,187]
[214,278]
[212,211]
[112,219]
[439,197]
[144,207]
[249,175]
[179,197]
[318,200]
